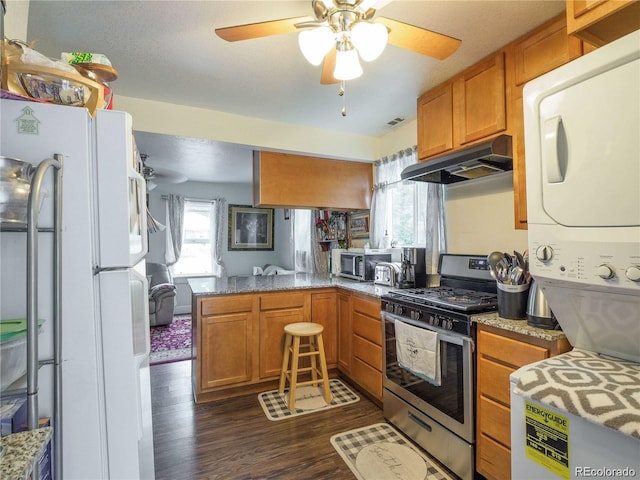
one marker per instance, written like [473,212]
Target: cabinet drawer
[510,351]
[495,460]
[368,307]
[367,376]
[367,327]
[493,379]
[281,300]
[368,352]
[495,421]
[226,304]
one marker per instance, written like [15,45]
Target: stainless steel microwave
[361,266]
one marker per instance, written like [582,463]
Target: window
[406,220]
[196,255]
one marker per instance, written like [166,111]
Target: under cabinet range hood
[480,160]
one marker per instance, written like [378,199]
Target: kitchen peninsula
[238,325]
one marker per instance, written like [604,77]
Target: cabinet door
[544,49]
[225,352]
[272,325]
[345,333]
[482,91]
[435,121]
[324,310]
[602,21]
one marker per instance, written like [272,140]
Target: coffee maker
[413,268]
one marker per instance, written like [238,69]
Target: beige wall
[15,20]
[480,215]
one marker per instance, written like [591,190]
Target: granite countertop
[23,450]
[207,286]
[519,326]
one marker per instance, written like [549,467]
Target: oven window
[449,396]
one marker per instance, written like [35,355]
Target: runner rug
[309,399]
[379,452]
[171,343]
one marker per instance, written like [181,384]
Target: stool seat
[303,329]
[314,348]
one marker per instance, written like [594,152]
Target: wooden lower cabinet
[366,346]
[238,339]
[224,341]
[499,353]
[272,325]
[345,332]
[324,310]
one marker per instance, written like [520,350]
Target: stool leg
[313,346]
[285,363]
[325,374]
[294,373]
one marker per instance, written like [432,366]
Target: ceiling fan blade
[261,29]
[328,67]
[418,39]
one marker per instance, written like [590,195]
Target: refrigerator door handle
[140,314]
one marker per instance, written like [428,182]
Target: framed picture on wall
[250,228]
[359,224]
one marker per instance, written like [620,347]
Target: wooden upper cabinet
[282,180]
[482,96]
[602,21]
[435,121]
[544,49]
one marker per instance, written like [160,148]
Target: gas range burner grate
[455,298]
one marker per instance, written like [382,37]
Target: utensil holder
[512,301]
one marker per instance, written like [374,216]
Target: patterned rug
[309,399]
[380,452]
[171,343]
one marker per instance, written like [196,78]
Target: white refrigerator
[106,425]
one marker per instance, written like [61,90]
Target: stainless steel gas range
[437,413]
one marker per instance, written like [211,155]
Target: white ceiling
[167,51]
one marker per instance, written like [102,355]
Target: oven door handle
[442,334]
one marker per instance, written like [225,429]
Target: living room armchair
[162,294]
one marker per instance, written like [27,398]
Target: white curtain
[308,256]
[387,171]
[217,222]
[429,203]
[175,228]
[320,258]
[301,235]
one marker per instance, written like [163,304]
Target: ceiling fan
[344,30]
[159,175]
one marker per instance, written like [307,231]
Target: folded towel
[418,350]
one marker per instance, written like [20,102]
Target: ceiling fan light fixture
[370,39]
[316,43]
[347,65]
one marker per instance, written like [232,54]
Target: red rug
[171,343]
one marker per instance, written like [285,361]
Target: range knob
[398,309]
[447,324]
[605,271]
[415,314]
[633,273]
[544,253]
[389,308]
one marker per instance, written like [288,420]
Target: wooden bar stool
[314,348]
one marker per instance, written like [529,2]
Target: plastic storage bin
[13,350]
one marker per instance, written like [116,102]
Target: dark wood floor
[233,439]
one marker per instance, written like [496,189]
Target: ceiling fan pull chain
[342,93]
